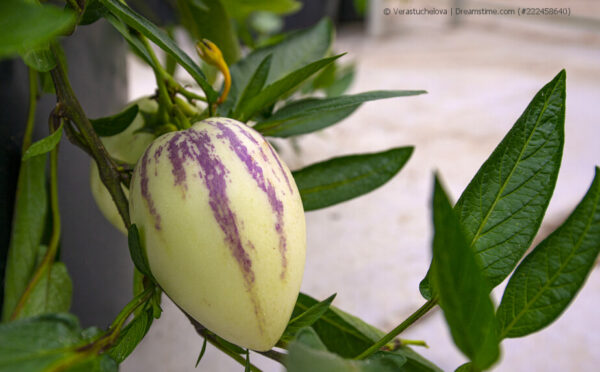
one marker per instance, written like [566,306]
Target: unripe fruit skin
[126,146]
[223,227]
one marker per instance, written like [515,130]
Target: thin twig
[72,110]
[399,329]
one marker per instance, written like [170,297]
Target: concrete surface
[373,251]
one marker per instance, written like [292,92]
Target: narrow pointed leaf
[311,114]
[137,252]
[148,29]
[27,229]
[348,336]
[306,319]
[44,145]
[308,353]
[462,290]
[295,51]
[52,294]
[112,125]
[271,93]
[339,331]
[256,83]
[210,22]
[26,25]
[131,336]
[340,179]
[202,351]
[502,207]
[548,279]
[134,42]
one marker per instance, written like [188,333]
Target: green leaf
[241,9]
[40,343]
[210,22]
[256,83]
[295,51]
[548,279]
[340,179]
[311,114]
[39,59]
[306,319]
[308,353]
[27,25]
[342,82]
[94,10]
[502,207]
[44,145]
[132,39]
[415,362]
[271,93]
[112,125]
[28,226]
[131,336]
[52,293]
[348,336]
[467,367]
[462,290]
[46,83]
[342,333]
[247,364]
[137,252]
[147,28]
[202,351]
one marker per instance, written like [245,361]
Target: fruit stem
[399,329]
[213,340]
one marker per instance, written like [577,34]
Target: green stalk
[159,73]
[399,329]
[33,97]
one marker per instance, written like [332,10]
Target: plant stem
[213,340]
[160,74]
[86,351]
[274,355]
[70,108]
[55,237]
[117,324]
[33,97]
[399,329]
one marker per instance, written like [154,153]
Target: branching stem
[399,329]
[69,107]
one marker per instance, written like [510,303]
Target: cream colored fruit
[126,146]
[223,227]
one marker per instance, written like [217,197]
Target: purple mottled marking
[257,174]
[157,154]
[176,150]
[197,146]
[146,192]
[280,166]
